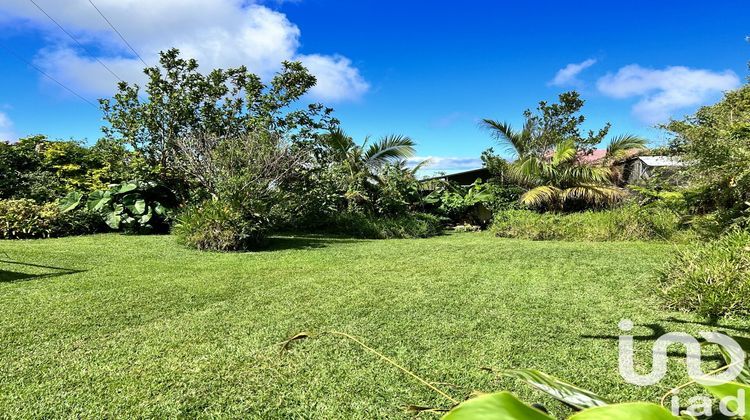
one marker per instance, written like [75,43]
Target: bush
[216,226]
[360,225]
[621,224]
[712,279]
[25,219]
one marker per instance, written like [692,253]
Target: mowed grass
[137,326]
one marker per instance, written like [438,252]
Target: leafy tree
[716,142]
[179,101]
[551,150]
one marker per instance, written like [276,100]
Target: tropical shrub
[45,170]
[361,225]
[712,279]
[216,226]
[134,206]
[626,223]
[26,219]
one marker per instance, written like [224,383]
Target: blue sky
[427,69]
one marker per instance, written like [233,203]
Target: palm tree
[363,163]
[557,176]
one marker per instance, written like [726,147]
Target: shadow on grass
[287,242]
[657,331]
[712,324]
[7,276]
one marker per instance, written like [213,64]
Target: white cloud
[446,163]
[6,128]
[661,93]
[223,34]
[568,75]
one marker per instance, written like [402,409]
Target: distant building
[463,178]
[641,168]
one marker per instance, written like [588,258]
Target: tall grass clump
[712,279]
[216,226]
[626,223]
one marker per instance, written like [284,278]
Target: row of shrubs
[26,219]
[629,222]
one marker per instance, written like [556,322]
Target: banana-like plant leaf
[496,406]
[569,394]
[113,219]
[626,411]
[98,200]
[70,201]
[127,187]
[730,393]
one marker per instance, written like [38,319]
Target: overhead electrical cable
[74,39]
[118,33]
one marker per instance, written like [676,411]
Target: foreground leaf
[744,377]
[626,411]
[731,391]
[497,406]
[567,393]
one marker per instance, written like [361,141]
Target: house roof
[659,161]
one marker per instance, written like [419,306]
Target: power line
[13,53]
[75,39]
[118,33]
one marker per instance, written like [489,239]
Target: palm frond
[564,151]
[388,148]
[594,194]
[517,142]
[585,174]
[619,146]
[338,141]
[545,195]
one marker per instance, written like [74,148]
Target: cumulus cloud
[568,75]
[446,163]
[6,128]
[223,34]
[662,92]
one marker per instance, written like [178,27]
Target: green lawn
[138,326]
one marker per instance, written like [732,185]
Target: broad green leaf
[127,187]
[496,406]
[567,393]
[146,217]
[70,201]
[98,200]
[626,411]
[730,391]
[113,220]
[134,203]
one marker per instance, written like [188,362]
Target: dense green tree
[179,101]
[716,143]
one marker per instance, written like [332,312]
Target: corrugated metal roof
[656,161]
